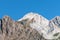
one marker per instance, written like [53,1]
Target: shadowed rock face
[11,30]
[56,21]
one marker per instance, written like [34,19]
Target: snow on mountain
[45,27]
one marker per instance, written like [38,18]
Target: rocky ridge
[31,27]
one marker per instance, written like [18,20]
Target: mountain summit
[32,26]
[44,26]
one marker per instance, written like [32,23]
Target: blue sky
[18,8]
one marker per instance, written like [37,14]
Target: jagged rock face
[56,21]
[30,27]
[11,30]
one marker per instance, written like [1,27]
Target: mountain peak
[30,16]
[39,23]
[42,25]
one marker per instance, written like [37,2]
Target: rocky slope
[14,30]
[31,27]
